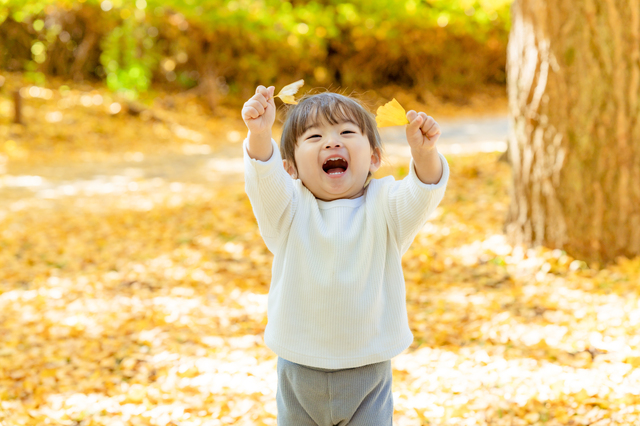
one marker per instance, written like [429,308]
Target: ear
[290,168]
[376,160]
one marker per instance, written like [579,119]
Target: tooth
[332,158]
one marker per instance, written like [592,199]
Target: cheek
[304,161]
[364,158]
[306,155]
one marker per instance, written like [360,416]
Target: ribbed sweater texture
[337,297]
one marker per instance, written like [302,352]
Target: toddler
[336,306]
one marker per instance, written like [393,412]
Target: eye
[347,131]
[314,136]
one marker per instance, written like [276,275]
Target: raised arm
[413,199]
[269,187]
[422,134]
[259,114]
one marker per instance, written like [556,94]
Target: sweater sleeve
[411,202]
[271,192]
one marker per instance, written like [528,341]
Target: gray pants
[312,396]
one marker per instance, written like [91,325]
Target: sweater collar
[342,202]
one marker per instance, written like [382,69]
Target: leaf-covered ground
[133,291]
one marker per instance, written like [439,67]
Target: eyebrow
[313,125]
[308,127]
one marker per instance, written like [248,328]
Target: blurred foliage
[227,47]
[128,57]
[135,293]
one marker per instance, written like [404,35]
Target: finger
[262,95]
[411,115]
[271,99]
[260,106]
[260,98]
[249,113]
[430,127]
[428,122]
[263,91]
[414,123]
[425,121]
[434,131]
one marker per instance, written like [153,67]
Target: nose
[333,143]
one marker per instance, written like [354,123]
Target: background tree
[573,80]
[220,49]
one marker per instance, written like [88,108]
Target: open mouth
[335,165]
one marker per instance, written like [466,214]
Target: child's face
[345,175]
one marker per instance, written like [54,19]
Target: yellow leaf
[287,92]
[288,99]
[391,114]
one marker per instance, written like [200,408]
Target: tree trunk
[17,107]
[207,65]
[82,53]
[573,83]
[210,86]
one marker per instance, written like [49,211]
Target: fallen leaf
[287,92]
[139,298]
[391,114]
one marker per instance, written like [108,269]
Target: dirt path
[23,186]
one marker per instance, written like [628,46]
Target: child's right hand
[259,112]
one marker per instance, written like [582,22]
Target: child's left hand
[422,132]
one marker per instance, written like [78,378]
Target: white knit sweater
[337,296]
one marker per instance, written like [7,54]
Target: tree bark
[573,71]
[82,53]
[210,86]
[17,107]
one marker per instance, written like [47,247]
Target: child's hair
[331,107]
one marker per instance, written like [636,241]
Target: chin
[334,189]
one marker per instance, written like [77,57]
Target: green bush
[224,48]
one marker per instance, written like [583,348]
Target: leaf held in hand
[287,92]
[391,114]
